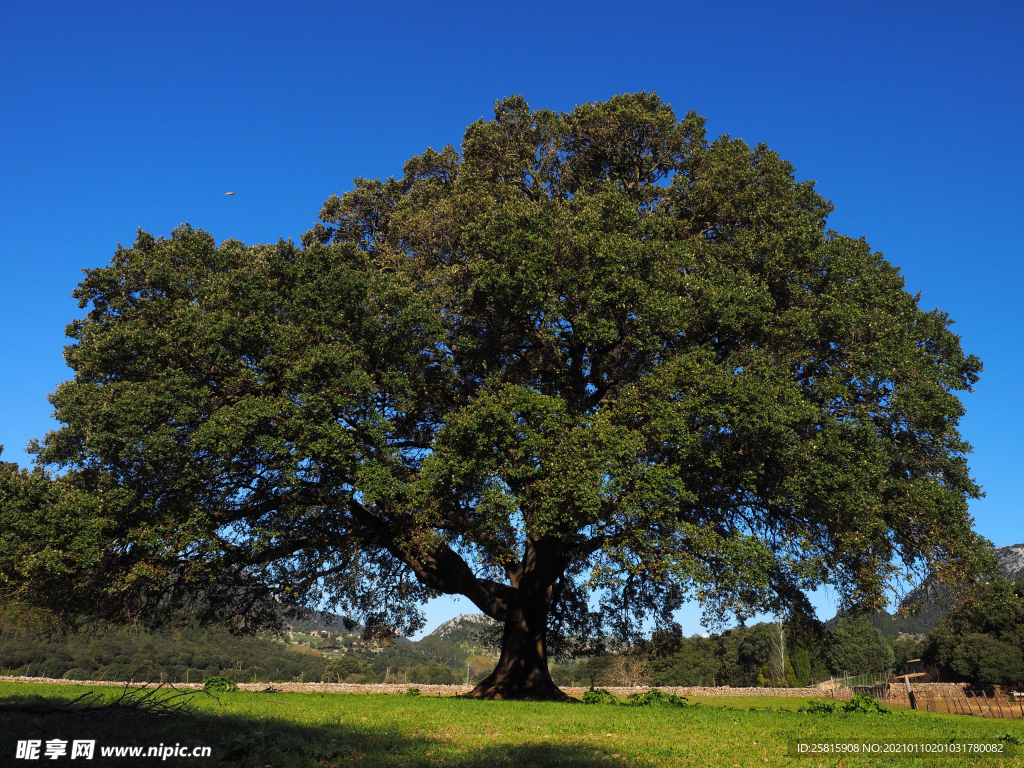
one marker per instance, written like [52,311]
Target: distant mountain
[935,599]
[1011,560]
[450,643]
[467,623]
[1011,565]
[929,613]
[322,621]
[468,635]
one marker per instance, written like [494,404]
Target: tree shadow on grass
[258,742]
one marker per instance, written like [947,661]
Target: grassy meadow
[278,730]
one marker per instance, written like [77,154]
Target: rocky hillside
[935,599]
[1011,560]
[465,635]
[468,624]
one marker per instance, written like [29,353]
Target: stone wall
[455,690]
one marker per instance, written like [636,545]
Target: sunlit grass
[310,729]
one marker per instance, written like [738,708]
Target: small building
[916,671]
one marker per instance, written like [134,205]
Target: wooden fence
[955,699]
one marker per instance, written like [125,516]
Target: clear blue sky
[114,116]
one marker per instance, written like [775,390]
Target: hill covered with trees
[981,640]
[316,649]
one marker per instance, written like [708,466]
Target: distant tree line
[191,654]
[979,641]
[764,654]
[741,656]
[172,655]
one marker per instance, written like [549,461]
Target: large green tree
[982,639]
[855,647]
[51,545]
[587,358]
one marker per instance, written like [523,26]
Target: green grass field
[309,729]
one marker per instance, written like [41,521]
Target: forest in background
[738,657]
[979,638]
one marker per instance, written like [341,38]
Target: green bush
[600,696]
[412,691]
[655,698]
[862,703]
[865,703]
[218,684]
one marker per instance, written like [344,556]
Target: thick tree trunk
[522,671]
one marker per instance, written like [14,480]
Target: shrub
[600,696]
[655,698]
[218,684]
[862,703]
[865,703]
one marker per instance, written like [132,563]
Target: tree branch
[441,569]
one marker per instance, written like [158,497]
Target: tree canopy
[51,544]
[856,647]
[982,639]
[586,359]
